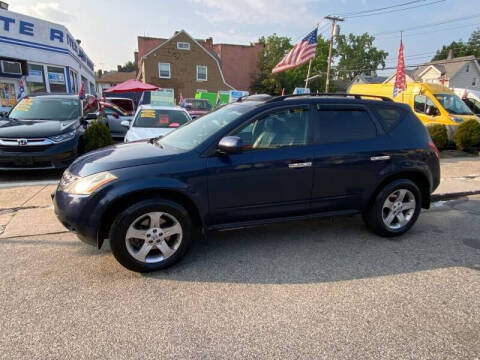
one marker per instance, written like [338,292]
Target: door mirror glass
[230,145]
[125,123]
[432,111]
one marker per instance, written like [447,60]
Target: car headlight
[86,185]
[63,137]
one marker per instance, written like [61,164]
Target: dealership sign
[26,31]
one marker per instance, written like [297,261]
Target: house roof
[447,67]
[116,77]
[212,53]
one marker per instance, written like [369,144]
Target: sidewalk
[28,210]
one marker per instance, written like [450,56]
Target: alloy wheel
[153,237]
[398,209]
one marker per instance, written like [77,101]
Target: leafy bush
[439,136]
[96,136]
[468,135]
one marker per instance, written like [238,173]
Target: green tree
[461,48]
[355,54]
[128,67]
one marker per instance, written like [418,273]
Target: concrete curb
[449,196]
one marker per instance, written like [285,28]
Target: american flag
[400,80]
[299,54]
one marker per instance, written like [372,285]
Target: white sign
[56,78]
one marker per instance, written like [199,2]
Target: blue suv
[249,163]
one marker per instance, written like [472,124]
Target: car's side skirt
[253,223]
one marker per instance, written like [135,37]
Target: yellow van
[432,103]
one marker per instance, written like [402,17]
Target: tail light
[432,146]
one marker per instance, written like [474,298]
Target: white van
[471,98]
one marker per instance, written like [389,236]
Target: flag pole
[401,41]
[308,73]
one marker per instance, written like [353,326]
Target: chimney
[119,68]
[78,41]
[99,72]
[3,5]
[451,55]
[209,43]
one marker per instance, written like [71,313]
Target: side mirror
[115,115]
[125,123]
[230,145]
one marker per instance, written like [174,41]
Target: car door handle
[300,165]
[380,158]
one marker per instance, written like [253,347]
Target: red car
[197,107]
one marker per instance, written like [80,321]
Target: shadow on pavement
[330,250]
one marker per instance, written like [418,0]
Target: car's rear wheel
[395,208]
[150,235]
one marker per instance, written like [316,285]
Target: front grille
[23,149]
[32,145]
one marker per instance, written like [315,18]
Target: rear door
[349,156]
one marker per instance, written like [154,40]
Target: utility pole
[335,32]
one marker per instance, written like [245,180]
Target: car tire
[395,209]
[138,235]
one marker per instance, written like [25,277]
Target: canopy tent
[131,85]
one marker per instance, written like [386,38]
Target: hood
[12,128]
[121,156]
[138,133]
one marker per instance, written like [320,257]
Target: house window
[164,70]
[468,68]
[183,45]
[201,73]
[74,81]
[474,82]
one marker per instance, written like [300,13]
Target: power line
[379,9]
[396,10]
[432,31]
[440,62]
[463,18]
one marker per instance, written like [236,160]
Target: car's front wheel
[150,235]
[395,208]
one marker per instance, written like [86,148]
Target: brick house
[186,65]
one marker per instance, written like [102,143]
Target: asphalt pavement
[323,289]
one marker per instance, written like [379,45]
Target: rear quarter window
[388,116]
[343,125]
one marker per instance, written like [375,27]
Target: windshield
[194,133]
[453,104]
[46,109]
[155,118]
[197,104]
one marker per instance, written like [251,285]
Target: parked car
[114,118]
[154,121]
[251,163]
[432,103]
[197,107]
[126,104]
[42,132]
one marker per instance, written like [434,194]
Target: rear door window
[343,125]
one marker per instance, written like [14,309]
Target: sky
[109,28]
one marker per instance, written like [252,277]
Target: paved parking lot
[315,289]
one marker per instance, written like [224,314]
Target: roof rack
[356,96]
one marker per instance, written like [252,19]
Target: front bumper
[56,156]
[75,212]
